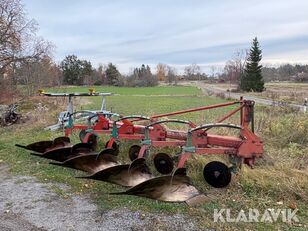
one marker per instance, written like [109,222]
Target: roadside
[214,90]
[26,204]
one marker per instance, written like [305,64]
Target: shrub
[288,129]
[98,83]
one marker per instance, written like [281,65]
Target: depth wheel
[133,152]
[115,147]
[217,174]
[163,163]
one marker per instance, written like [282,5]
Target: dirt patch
[26,204]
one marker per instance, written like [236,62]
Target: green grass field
[161,90]
[284,162]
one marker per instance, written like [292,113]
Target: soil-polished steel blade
[83,148]
[172,188]
[64,153]
[39,147]
[92,162]
[57,154]
[61,140]
[43,146]
[125,175]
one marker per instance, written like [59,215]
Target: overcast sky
[176,32]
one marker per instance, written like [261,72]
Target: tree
[98,76]
[171,75]
[113,76]
[192,72]
[36,74]
[234,68]
[151,80]
[252,79]
[161,71]
[75,70]
[142,77]
[18,40]
[285,72]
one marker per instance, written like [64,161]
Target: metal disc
[115,146]
[163,163]
[217,174]
[133,152]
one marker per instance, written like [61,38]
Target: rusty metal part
[195,109]
[172,188]
[92,162]
[125,175]
[43,146]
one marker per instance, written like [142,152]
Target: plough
[174,184]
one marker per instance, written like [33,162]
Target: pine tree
[252,79]
[112,75]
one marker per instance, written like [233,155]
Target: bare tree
[213,71]
[171,75]
[36,74]
[18,41]
[234,68]
[193,72]
[162,70]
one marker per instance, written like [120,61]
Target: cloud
[174,32]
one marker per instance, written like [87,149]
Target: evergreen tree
[252,79]
[75,70]
[113,76]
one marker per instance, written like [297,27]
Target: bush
[98,83]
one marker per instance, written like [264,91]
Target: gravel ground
[26,204]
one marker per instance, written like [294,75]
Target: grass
[161,90]
[280,176]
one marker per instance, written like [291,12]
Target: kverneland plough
[174,185]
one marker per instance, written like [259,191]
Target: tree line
[80,72]
[286,72]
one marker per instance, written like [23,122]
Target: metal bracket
[190,149]
[146,142]
[115,133]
